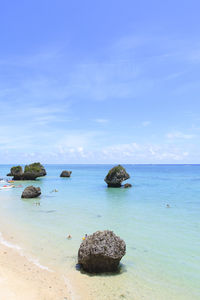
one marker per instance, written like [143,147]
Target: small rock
[66,174]
[127,185]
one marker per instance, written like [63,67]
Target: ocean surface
[163,243]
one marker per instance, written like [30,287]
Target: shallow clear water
[163,244]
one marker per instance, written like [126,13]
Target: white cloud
[179,135]
[77,141]
[144,153]
[79,148]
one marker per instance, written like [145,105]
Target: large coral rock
[31,172]
[31,192]
[66,174]
[115,176]
[101,252]
[16,172]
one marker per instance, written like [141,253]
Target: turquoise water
[163,244]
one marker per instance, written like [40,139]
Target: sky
[100,81]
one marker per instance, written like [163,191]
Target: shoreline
[22,278]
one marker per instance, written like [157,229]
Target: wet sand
[21,279]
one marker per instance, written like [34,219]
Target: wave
[21,252]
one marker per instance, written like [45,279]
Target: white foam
[37,263]
[20,251]
[8,244]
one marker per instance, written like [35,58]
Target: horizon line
[149,164]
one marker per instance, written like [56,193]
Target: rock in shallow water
[127,185]
[66,174]
[31,172]
[115,176]
[101,252]
[16,172]
[31,192]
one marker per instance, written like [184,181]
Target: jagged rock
[31,172]
[127,185]
[31,192]
[101,252]
[66,174]
[115,176]
[9,174]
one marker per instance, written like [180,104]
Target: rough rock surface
[31,192]
[127,185]
[31,172]
[16,172]
[101,252]
[66,174]
[115,176]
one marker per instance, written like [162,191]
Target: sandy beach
[21,279]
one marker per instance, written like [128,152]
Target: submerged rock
[115,176]
[66,174]
[31,192]
[101,252]
[127,185]
[31,172]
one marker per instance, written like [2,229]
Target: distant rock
[66,174]
[127,185]
[31,192]
[31,172]
[116,176]
[101,252]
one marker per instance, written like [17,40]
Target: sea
[158,218]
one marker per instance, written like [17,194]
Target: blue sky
[99,81]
